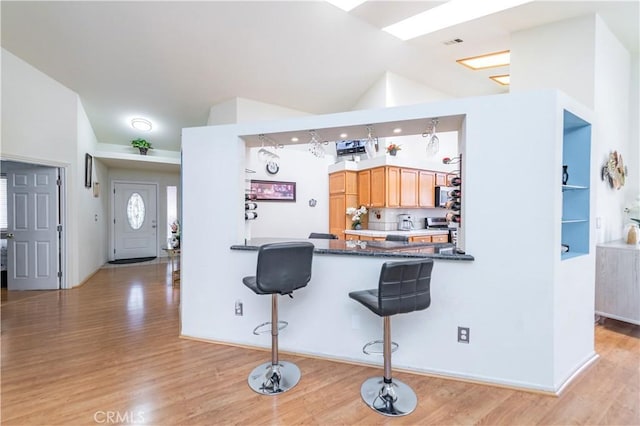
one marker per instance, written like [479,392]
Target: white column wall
[584,59]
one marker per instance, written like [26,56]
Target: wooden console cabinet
[618,281]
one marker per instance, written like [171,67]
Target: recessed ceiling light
[346,5]
[397,130]
[501,79]
[141,124]
[294,139]
[447,15]
[343,135]
[490,60]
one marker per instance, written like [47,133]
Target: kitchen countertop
[395,249]
[412,233]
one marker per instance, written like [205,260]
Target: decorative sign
[270,190]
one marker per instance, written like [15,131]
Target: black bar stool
[403,287]
[394,237]
[323,236]
[282,268]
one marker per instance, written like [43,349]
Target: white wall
[395,90]
[43,122]
[292,219]
[239,110]
[584,59]
[91,211]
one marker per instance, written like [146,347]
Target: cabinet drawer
[423,239]
[440,238]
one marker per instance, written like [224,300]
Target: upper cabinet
[389,186]
[426,188]
[343,183]
[408,188]
[576,158]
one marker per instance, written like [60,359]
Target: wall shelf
[576,156]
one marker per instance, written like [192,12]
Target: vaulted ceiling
[171,61]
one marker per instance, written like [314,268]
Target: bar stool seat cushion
[403,287]
[282,268]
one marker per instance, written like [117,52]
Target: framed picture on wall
[88,166]
[271,190]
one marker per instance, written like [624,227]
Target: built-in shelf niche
[576,155]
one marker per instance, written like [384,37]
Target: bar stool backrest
[395,237]
[284,267]
[323,236]
[405,286]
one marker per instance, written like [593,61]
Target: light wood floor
[108,352]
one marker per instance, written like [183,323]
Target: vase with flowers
[174,241]
[393,149]
[356,216]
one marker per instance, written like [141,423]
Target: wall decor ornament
[614,171]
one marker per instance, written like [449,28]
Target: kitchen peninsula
[525,303]
[387,249]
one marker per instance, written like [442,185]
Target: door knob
[10,236]
[153,226]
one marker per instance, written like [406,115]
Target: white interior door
[135,220]
[32,231]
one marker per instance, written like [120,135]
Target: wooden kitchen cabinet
[421,239]
[343,183]
[343,193]
[378,187]
[364,188]
[440,238]
[426,188]
[393,186]
[408,188]
[441,179]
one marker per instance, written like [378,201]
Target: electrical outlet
[463,335]
[239,308]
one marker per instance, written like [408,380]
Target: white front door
[135,220]
[32,231]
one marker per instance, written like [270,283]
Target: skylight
[346,5]
[448,14]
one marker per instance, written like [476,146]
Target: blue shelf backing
[576,155]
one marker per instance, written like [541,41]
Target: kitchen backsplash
[388,218]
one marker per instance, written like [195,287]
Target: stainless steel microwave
[442,195]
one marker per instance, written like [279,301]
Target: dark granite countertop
[368,248]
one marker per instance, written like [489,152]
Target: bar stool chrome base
[269,379]
[390,399]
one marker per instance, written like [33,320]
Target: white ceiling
[171,61]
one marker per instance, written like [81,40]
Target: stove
[436,223]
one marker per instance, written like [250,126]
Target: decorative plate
[614,170]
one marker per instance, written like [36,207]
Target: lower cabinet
[618,281]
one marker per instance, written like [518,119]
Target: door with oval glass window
[135,227]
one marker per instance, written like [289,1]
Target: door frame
[112,212]
[63,262]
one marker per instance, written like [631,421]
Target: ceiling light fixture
[343,135]
[504,79]
[397,130]
[447,15]
[489,60]
[346,5]
[141,124]
[294,139]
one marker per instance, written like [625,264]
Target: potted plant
[393,148]
[142,145]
